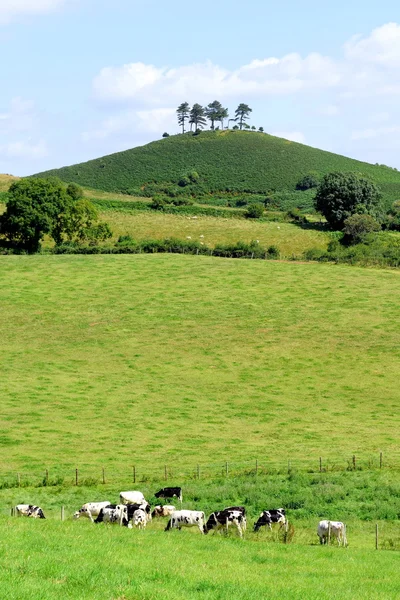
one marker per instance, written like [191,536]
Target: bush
[165,134]
[194,176]
[294,214]
[75,191]
[308,181]
[357,227]
[184,181]
[254,211]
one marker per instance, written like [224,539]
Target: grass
[290,239]
[81,561]
[153,360]
[226,161]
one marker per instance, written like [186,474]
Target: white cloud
[293,136]
[369,133]
[24,149]
[130,122]
[9,9]
[382,47]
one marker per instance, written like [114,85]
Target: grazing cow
[170,492]
[29,510]
[131,498]
[338,530]
[225,518]
[144,506]
[163,511]
[268,517]
[91,509]
[114,513]
[243,511]
[187,518]
[139,519]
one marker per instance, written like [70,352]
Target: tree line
[197,116]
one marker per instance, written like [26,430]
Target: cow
[163,511]
[131,498]
[139,519]
[243,511]
[170,492]
[144,506]
[29,510]
[114,513]
[267,517]
[91,509]
[225,518]
[187,518]
[337,529]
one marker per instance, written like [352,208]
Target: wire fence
[177,473]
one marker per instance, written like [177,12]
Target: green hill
[235,161]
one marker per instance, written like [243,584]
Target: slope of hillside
[225,160]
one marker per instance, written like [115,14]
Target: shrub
[194,176]
[254,211]
[165,134]
[358,226]
[184,181]
[294,214]
[308,181]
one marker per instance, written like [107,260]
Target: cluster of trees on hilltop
[197,116]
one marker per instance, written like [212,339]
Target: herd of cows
[133,510]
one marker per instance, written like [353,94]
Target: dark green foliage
[75,191]
[254,211]
[184,181]
[197,117]
[294,215]
[35,207]
[357,227]
[261,129]
[308,181]
[231,161]
[342,194]
[242,114]
[382,250]
[183,112]
[165,134]
[216,112]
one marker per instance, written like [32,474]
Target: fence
[89,475]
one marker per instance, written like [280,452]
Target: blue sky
[84,78]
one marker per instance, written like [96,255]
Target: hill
[236,161]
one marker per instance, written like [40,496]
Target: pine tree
[183,112]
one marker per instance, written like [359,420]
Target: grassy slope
[229,159]
[194,360]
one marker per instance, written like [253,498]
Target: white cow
[132,498]
[91,509]
[114,513]
[29,510]
[139,519]
[337,528]
[187,518]
[163,511]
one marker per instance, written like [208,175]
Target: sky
[85,78]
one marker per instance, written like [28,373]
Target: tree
[216,112]
[197,117]
[75,191]
[81,216]
[261,129]
[35,207]
[183,112]
[166,134]
[242,114]
[341,195]
[255,210]
[308,181]
[357,227]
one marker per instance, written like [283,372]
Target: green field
[235,161]
[195,359]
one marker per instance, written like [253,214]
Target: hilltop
[236,161]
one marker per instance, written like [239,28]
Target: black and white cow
[165,510]
[267,517]
[91,509]
[29,510]
[144,506]
[187,518]
[225,518]
[115,514]
[170,492]
[139,519]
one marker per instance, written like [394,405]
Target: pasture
[110,361]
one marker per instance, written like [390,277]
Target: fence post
[165,472]
[134,474]
[320,464]
[286,530]
[380,460]
[62,513]
[226,469]
[376,537]
[19,479]
[198,471]
[104,476]
[354,462]
[76,476]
